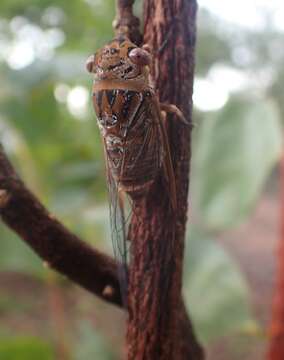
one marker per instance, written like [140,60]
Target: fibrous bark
[158,324]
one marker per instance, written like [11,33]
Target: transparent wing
[119,223]
[120,211]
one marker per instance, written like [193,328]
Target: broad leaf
[234,154]
[214,289]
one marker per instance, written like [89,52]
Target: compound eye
[90,63]
[140,57]
[113,51]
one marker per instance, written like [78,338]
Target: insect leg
[167,163]
[173,109]
[168,34]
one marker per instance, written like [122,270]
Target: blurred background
[48,128]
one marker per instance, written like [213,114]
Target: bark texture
[158,325]
[276,346]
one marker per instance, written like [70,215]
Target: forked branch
[62,250]
[166,332]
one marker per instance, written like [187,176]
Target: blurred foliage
[49,130]
[16,256]
[25,348]
[215,290]
[92,345]
[231,143]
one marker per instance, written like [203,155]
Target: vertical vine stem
[158,325]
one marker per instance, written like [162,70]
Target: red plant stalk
[276,331]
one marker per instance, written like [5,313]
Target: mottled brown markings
[106,109]
[128,96]
[111,96]
[112,67]
[134,132]
[114,144]
[98,100]
[128,70]
[140,121]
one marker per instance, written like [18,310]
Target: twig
[125,22]
[62,250]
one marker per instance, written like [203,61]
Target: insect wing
[119,226]
[167,158]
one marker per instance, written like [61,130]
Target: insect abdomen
[131,137]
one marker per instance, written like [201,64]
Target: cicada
[131,122]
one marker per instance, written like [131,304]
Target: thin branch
[126,23]
[63,251]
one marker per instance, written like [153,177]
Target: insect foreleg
[173,109]
[167,163]
[169,34]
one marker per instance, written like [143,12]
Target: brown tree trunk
[158,325]
[276,346]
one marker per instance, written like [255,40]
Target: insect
[131,122]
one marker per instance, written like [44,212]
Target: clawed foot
[172,109]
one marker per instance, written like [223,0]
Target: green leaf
[235,151]
[215,291]
[25,348]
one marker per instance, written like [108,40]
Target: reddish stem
[276,346]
